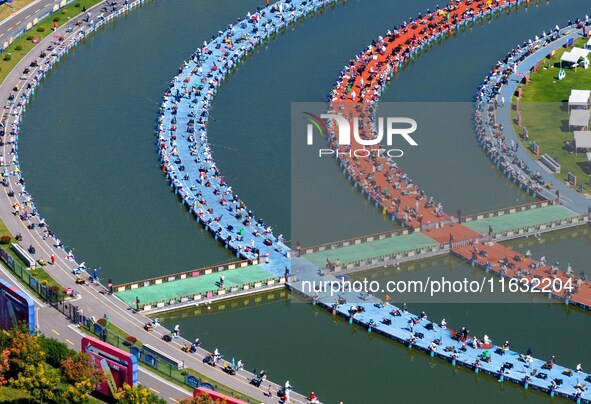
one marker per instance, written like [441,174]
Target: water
[318,352]
[88,149]
[89,159]
[321,353]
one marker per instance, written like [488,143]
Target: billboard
[216,396]
[119,366]
[15,308]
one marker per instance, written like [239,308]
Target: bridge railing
[435,225]
[464,243]
[541,228]
[183,275]
[509,210]
[355,241]
[213,293]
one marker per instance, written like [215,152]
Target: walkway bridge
[473,238]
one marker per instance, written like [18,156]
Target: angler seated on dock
[485,357]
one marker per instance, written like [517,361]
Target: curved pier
[364,80]
[186,154]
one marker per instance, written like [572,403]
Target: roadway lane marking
[27,16]
[173,399]
[36,11]
[154,390]
[9,28]
[55,332]
[69,342]
[163,381]
[18,22]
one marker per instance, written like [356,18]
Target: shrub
[55,351]
[77,5]
[56,19]
[29,37]
[8,56]
[54,288]
[44,282]
[102,322]
[5,239]
[131,339]
[40,29]
[18,48]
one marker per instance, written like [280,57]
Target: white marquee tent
[583,139]
[579,98]
[574,56]
[580,118]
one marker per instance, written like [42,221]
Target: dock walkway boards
[372,249]
[194,285]
[523,219]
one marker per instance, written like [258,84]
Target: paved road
[15,24]
[94,301]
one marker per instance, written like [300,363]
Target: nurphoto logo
[391,127]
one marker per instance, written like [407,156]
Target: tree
[82,377]
[25,350]
[4,365]
[55,351]
[137,395]
[41,381]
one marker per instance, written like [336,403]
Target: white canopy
[580,52]
[580,118]
[588,157]
[569,57]
[589,43]
[579,98]
[583,139]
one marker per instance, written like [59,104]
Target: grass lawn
[23,45]
[544,112]
[6,10]
[3,229]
